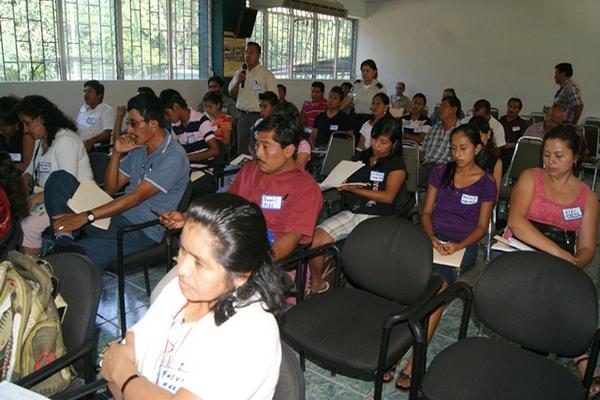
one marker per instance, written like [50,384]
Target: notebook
[453,260]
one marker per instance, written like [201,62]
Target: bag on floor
[30,327]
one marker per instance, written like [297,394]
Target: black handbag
[564,239]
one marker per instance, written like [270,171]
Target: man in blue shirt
[154,175]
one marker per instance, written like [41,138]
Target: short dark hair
[347,84]
[319,85]
[420,96]
[216,78]
[149,107]
[54,119]
[213,97]
[567,68]
[338,90]
[270,97]
[8,110]
[255,45]
[146,90]
[453,101]
[482,104]
[282,87]
[285,130]
[169,97]
[96,85]
[451,90]
[516,99]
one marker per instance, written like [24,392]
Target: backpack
[30,327]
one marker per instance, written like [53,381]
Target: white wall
[484,48]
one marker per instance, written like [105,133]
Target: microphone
[244,69]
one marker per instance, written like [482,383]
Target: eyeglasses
[134,123]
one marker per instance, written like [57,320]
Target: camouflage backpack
[30,327]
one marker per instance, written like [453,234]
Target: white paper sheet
[89,196]
[340,173]
[10,391]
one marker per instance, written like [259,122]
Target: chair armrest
[137,227]
[55,366]
[80,392]
[308,253]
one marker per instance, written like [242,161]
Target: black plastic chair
[80,283]
[541,305]
[158,254]
[362,332]
[99,162]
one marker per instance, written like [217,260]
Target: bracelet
[124,386]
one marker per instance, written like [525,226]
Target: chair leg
[594,179]
[121,294]
[378,386]
[147,281]
[302,361]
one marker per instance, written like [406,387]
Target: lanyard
[35,167]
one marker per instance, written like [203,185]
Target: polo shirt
[258,80]
[363,95]
[569,95]
[310,110]
[325,126]
[436,144]
[195,135]
[94,121]
[167,168]
[290,200]
[514,129]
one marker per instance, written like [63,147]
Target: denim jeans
[468,262]
[100,245]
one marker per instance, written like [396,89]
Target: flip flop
[389,374]
[403,376]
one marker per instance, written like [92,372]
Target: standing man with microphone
[247,83]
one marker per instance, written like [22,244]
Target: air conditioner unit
[327,7]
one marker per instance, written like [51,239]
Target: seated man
[154,174]
[514,127]
[436,145]
[195,132]
[313,107]
[96,119]
[483,108]
[216,84]
[555,116]
[332,120]
[281,93]
[266,102]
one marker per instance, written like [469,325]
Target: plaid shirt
[569,95]
[436,144]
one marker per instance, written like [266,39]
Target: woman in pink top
[550,208]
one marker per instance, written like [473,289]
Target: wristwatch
[90,217]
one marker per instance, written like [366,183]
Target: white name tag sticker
[44,167]
[377,176]
[516,128]
[269,202]
[214,128]
[171,379]
[90,120]
[468,199]
[191,138]
[333,127]
[16,157]
[257,86]
[572,214]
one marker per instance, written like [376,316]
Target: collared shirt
[536,130]
[258,80]
[195,135]
[402,102]
[514,129]
[569,95]
[94,121]
[167,168]
[290,200]
[437,144]
[310,111]
[363,95]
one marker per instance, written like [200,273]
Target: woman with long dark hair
[211,333]
[487,158]
[380,108]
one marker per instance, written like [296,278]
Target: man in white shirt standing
[96,119]
[247,83]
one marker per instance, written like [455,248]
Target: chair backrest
[220,161]
[495,113]
[390,257]
[99,161]
[592,138]
[290,385]
[537,117]
[80,284]
[539,301]
[340,147]
[186,199]
[528,154]
[410,154]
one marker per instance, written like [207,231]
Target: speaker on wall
[245,22]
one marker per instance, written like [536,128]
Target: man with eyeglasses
[154,175]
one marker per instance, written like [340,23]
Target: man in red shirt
[315,106]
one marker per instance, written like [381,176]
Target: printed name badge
[516,128]
[468,199]
[16,157]
[333,127]
[269,202]
[257,86]
[377,176]
[171,379]
[214,128]
[191,138]
[90,120]
[572,214]
[44,167]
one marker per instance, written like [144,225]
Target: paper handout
[340,173]
[453,260]
[89,196]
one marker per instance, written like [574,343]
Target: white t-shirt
[94,121]
[238,360]
[67,152]
[365,130]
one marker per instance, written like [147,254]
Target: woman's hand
[119,361]
[35,200]
[450,248]
[172,219]
[437,244]
[565,255]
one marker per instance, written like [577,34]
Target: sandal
[403,379]
[308,293]
[389,374]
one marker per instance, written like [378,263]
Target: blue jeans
[468,262]
[100,245]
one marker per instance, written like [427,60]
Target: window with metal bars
[304,45]
[103,39]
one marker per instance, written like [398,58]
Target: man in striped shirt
[569,94]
